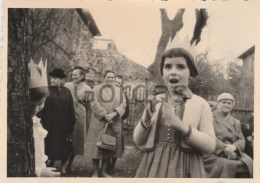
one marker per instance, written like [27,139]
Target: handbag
[107,141]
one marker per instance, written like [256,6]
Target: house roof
[87,18]
[247,52]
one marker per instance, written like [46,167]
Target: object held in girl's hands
[159,94]
[179,89]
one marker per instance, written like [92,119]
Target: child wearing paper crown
[38,91]
[177,130]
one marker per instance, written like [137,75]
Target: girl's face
[56,81]
[175,72]
[77,76]
[36,107]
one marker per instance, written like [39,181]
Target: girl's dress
[39,133]
[168,159]
[167,153]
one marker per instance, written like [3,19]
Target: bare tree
[169,30]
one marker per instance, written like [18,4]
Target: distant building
[103,44]
[248,58]
[247,82]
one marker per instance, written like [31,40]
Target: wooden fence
[136,108]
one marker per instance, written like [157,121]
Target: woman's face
[225,106]
[175,72]
[77,76]
[110,78]
[56,81]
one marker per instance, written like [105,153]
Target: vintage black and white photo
[131,89]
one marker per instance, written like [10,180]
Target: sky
[136,29]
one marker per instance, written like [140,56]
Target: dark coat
[58,118]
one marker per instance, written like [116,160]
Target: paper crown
[38,76]
[177,42]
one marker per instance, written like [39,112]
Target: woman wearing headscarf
[228,159]
[58,118]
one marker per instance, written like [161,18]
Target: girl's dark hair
[180,52]
[37,94]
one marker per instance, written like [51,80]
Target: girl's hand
[150,106]
[49,172]
[149,110]
[171,118]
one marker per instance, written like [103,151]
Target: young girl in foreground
[38,91]
[174,132]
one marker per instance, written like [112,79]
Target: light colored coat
[228,131]
[104,102]
[80,129]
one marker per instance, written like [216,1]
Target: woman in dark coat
[58,118]
[229,159]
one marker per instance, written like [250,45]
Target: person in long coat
[108,106]
[58,118]
[80,93]
[229,159]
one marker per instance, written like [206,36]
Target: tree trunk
[169,29]
[20,148]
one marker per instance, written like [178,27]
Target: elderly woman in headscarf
[229,159]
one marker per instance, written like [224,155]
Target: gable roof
[87,18]
[247,52]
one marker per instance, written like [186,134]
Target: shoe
[111,171]
[68,169]
[95,175]
[50,163]
[104,174]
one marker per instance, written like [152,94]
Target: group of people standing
[74,116]
[180,136]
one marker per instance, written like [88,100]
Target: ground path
[125,166]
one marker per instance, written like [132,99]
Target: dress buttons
[169,129]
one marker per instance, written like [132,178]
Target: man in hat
[58,118]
